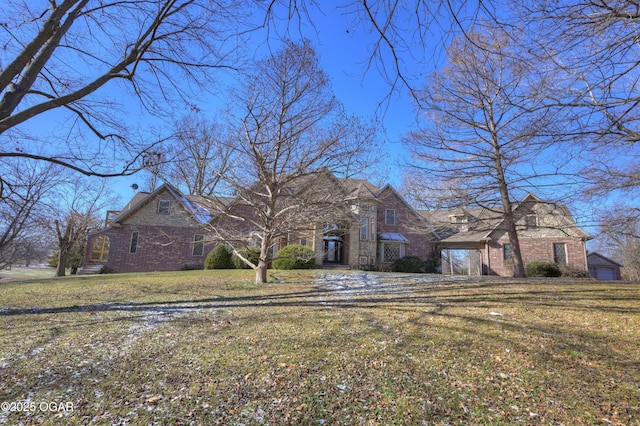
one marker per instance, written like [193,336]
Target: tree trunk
[62,261]
[263,261]
[518,263]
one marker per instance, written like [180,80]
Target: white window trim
[401,253]
[386,217]
[197,242]
[526,221]
[566,254]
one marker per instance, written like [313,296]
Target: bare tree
[404,37]
[487,122]
[20,208]
[289,130]
[595,44]
[63,61]
[620,237]
[199,155]
[73,213]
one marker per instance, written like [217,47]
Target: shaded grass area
[205,347]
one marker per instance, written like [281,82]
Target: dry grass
[212,348]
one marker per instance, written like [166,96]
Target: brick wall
[538,249]
[158,249]
[407,224]
[165,241]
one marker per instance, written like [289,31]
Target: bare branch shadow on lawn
[417,301]
[370,294]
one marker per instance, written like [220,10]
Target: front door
[332,251]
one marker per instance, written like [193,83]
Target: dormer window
[460,221]
[458,218]
[164,204]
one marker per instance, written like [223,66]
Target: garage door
[606,273]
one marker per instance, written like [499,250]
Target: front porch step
[334,266]
[91,269]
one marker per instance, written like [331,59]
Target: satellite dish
[134,186]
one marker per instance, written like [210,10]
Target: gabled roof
[484,221]
[359,188]
[606,259]
[198,207]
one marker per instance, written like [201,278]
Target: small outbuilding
[603,268]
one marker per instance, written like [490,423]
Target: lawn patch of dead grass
[352,348]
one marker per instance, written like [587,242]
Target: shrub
[252,254]
[409,264]
[433,264]
[574,273]
[191,267]
[294,257]
[219,258]
[542,269]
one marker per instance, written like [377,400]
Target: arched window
[99,249]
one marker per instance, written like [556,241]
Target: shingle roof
[359,188]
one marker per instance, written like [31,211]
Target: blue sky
[343,50]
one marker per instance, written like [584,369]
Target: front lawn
[313,347]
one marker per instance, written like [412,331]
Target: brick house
[166,230]
[546,232]
[160,231]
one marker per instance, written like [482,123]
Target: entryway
[461,262]
[332,246]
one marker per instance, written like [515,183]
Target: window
[506,251]
[303,241]
[390,217]
[164,204]
[392,252]
[531,221]
[560,253]
[100,249]
[133,246]
[198,245]
[364,230]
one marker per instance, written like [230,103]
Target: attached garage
[603,268]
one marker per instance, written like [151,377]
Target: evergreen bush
[294,257]
[409,264]
[542,269]
[219,258]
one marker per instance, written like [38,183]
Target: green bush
[409,264]
[252,254]
[219,258]
[294,257]
[542,269]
